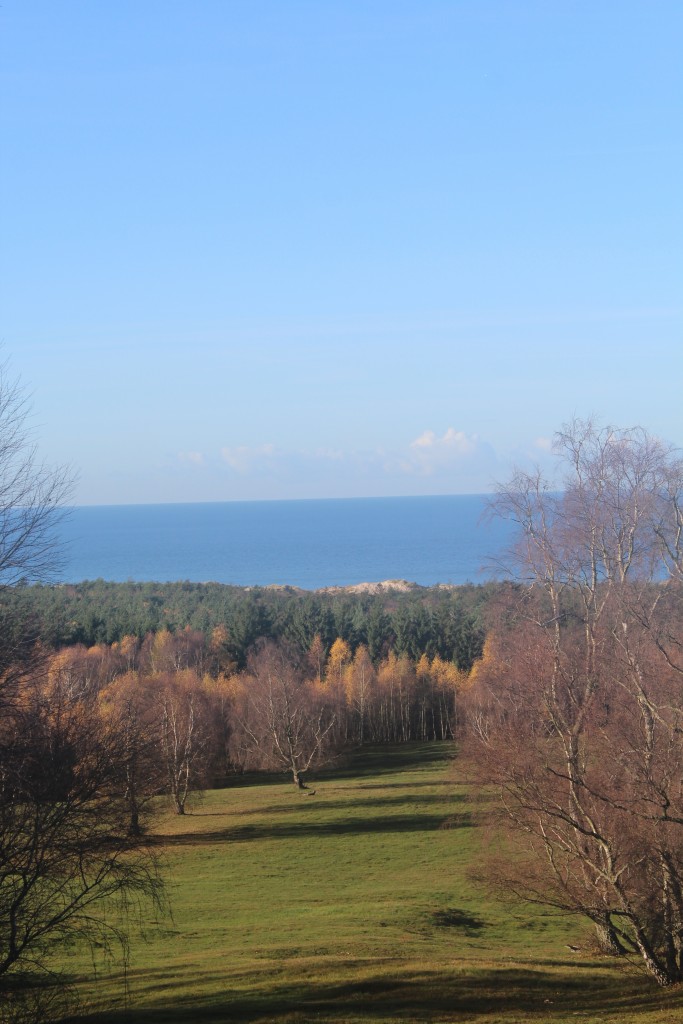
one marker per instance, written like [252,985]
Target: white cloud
[429,453]
[452,461]
[196,458]
[425,440]
[453,442]
[242,458]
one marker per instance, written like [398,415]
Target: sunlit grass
[355,905]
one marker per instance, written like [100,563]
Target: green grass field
[355,905]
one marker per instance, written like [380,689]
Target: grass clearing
[354,905]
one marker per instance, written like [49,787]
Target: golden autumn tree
[316,656]
[339,656]
[359,685]
[128,708]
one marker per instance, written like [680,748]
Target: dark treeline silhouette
[191,716]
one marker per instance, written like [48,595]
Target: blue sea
[309,544]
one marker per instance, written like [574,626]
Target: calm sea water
[309,544]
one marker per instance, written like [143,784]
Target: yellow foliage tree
[359,683]
[339,656]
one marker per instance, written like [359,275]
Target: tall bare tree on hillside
[65,852]
[32,498]
[577,710]
[32,495]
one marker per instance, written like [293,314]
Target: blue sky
[312,248]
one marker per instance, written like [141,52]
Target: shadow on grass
[322,803]
[409,822]
[359,764]
[426,996]
[458,920]
[435,784]
[390,760]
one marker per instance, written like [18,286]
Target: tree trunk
[134,821]
[608,940]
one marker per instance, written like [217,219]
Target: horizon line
[253,501]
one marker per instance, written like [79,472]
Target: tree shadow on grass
[390,760]
[359,764]
[292,798]
[323,803]
[458,920]
[419,784]
[352,825]
[429,995]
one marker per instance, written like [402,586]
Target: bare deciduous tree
[577,712]
[32,495]
[32,498]
[282,721]
[65,852]
[64,843]
[184,733]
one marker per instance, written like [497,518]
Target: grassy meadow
[354,905]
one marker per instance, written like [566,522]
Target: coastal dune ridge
[377,587]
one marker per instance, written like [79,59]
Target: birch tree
[577,709]
[283,720]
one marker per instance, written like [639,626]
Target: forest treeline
[188,717]
[437,622]
[198,682]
